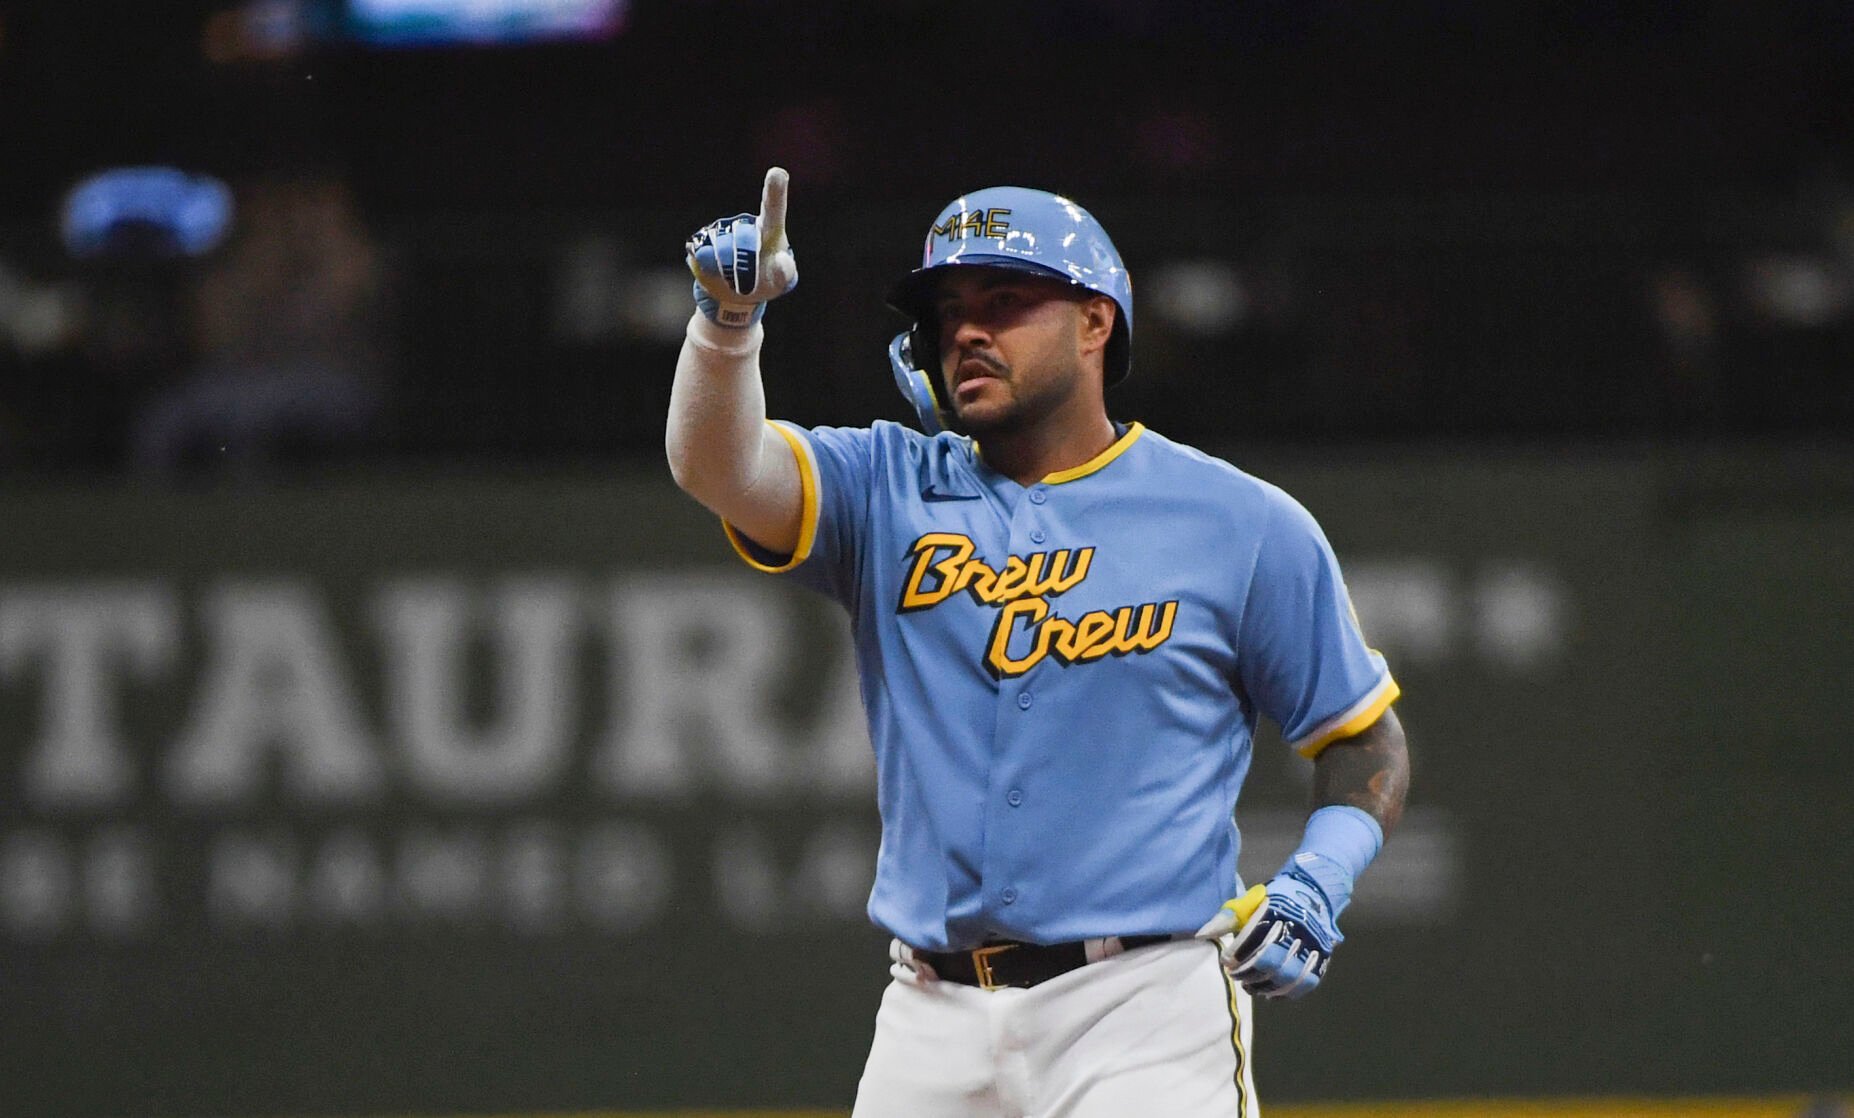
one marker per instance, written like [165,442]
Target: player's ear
[1096,324]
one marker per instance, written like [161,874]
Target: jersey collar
[1129,434]
[1099,462]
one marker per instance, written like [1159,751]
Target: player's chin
[982,418]
[989,407]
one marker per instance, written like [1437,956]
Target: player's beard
[1025,410]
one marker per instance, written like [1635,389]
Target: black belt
[1021,965]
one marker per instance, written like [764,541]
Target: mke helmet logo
[946,563]
[989,222]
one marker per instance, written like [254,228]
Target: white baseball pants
[1159,1030]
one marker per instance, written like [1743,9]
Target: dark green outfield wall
[451,794]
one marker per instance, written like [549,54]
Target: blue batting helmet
[1007,227]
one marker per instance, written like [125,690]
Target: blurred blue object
[146,211]
[411,23]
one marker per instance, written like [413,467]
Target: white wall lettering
[695,662]
[81,635]
[427,630]
[274,682]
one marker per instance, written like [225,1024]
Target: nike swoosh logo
[932,494]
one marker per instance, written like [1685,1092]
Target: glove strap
[1339,842]
[734,316]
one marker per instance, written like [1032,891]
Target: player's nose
[968,333]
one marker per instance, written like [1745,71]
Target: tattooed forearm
[1369,771]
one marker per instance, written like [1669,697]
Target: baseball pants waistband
[1019,965]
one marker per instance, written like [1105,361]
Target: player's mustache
[993,366]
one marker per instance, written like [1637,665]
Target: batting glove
[1284,951]
[1277,939]
[743,262]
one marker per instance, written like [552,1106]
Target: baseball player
[1066,628]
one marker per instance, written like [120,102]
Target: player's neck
[1030,455]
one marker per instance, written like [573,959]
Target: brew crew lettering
[1129,629]
[945,563]
[1039,574]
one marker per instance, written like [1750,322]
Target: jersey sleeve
[1302,658]
[836,470]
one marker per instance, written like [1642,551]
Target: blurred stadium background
[380,733]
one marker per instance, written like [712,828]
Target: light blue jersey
[1062,680]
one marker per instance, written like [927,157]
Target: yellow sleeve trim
[808,516]
[1354,720]
[1099,461]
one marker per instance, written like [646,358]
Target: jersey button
[1038,536]
[1009,896]
[1014,798]
[1037,496]
[1024,700]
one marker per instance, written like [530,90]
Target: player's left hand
[1277,939]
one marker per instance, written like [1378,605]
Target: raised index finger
[772,210]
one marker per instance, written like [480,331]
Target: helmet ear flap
[915,382]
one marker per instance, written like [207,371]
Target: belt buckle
[981,964]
